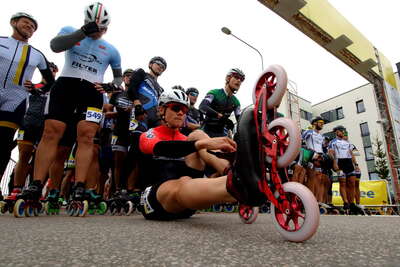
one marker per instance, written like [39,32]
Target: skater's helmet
[173,95]
[159,61]
[19,15]
[127,71]
[178,87]
[193,91]
[236,71]
[96,12]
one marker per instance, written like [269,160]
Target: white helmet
[173,95]
[98,13]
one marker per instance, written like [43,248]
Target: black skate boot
[244,178]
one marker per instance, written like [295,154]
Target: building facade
[356,110]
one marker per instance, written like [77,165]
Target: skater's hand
[224,144]
[29,85]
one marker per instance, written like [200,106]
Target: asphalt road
[207,239]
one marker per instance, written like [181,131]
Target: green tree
[381,163]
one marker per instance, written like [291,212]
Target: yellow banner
[372,193]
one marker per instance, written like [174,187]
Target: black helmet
[24,15]
[159,60]
[318,118]
[339,128]
[192,90]
[127,71]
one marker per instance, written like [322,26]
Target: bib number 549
[93,115]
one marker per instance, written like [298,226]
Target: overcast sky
[187,34]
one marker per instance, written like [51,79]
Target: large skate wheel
[218,208]
[248,214]
[229,208]
[274,79]
[102,208]
[29,211]
[83,209]
[289,140]
[129,207]
[19,208]
[300,221]
[323,210]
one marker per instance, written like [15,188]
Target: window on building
[364,129]
[326,117]
[305,115]
[339,113]
[360,106]
[366,140]
[368,153]
[333,115]
[371,165]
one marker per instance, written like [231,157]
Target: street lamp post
[228,32]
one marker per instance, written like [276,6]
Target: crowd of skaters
[86,135]
[77,132]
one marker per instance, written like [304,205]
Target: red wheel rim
[293,217]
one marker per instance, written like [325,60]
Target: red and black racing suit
[163,150]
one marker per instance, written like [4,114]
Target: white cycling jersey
[341,147]
[89,58]
[313,140]
[18,61]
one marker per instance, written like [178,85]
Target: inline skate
[96,203]
[7,204]
[77,205]
[29,201]
[53,203]
[123,203]
[266,145]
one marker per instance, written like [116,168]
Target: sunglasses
[160,64]
[175,107]
[238,77]
[193,94]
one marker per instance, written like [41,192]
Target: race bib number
[94,115]
[133,124]
[114,139]
[20,136]
[144,201]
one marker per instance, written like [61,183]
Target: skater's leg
[21,169]
[186,193]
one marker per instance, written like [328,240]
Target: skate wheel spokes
[299,220]
[288,138]
[248,214]
[274,81]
